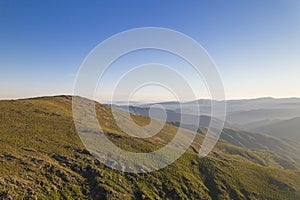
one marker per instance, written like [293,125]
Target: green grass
[42,157]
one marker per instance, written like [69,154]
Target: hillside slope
[282,128]
[42,157]
[248,139]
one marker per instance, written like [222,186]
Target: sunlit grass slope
[42,157]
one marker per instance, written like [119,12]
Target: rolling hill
[236,136]
[282,128]
[42,157]
[277,117]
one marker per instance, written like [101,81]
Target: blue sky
[255,44]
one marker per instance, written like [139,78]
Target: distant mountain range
[276,117]
[234,135]
[289,128]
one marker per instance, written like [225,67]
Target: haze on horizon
[255,45]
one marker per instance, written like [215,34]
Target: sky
[254,44]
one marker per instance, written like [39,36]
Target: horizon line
[147,101]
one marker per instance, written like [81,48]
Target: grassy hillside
[287,152]
[285,148]
[42,157]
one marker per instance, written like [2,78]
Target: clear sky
[255,44]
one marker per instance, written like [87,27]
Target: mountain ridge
[43,157]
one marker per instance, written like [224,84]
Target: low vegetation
[42,157]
